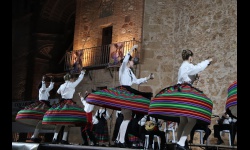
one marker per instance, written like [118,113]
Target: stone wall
[126,21]
[207,27]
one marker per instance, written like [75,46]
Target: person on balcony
[34,112]
[62,114]
[117,55]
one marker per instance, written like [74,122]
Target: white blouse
[67,89]
[87,107]
[126,75]
[144,119]
[44,92]
[101,110]
[187,71]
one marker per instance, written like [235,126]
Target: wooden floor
[48,146]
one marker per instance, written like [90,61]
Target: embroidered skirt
[65,113]
[182,100]
[120,98]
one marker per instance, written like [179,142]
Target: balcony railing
[98,57]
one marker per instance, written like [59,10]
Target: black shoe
[220,142]
[85,144]
[204,141]
[186,145]
[178,147]
[64,142]
[54,141]
[122,145]
[150,147]
[36,140]
[115,144]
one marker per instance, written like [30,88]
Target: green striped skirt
[182,100]
[232,95]
[120,97]
[33,113]
[65,113]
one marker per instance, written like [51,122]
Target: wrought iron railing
[98,57]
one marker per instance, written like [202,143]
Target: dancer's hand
[83,71]
[151,76]
[44,77]
[133,48]
[210,60]
[51,78]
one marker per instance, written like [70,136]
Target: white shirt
[228,120]
[101,110]
[144,119]
[126,75]
[118,112]
[95,120]
[44,92]
[188,70]
[87,107]
[67,89]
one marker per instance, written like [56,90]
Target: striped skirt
[119,98]
[231,102]
[182,100]
[65,113]
[33,113]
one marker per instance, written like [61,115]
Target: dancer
[231,102]
[127,78]
[119,119]
[184,100]
[231,110]
[62,114]
[133,131]
[101,128]
[33,113]
[87,129]
[124,97]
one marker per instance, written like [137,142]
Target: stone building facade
[165,28]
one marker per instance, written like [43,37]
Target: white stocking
[36,132]
[65,133]
[122,131]
[57,129]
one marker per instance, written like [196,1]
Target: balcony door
[106,40]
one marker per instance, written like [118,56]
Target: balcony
[99,57]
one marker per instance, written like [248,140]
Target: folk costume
[87,130]
[124,97]
[231,102]
[184,100]
[66,113]
[33,113]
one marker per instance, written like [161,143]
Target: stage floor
[48,146]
